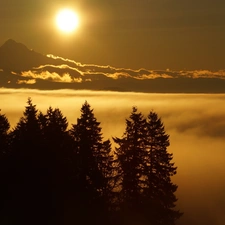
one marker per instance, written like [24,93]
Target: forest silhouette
[52,174]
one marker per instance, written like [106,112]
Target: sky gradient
[134,34]
[129,47]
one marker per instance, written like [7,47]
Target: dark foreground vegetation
[51,175]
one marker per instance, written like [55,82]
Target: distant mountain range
[21,67]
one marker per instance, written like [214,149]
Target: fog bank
[195,123]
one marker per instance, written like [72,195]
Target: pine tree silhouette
[159,169]
[52,175]
[30,200]
[147,193]
[4,138]
[56,160]
[4,165]
[130,156]
[94,165]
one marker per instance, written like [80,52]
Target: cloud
[203,74]
[62,67]
[75,75]
[54,77]
[117,73]
[195,123]
[33,81]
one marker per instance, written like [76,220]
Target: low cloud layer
[96,77]
[78,69]
[195,123]
[21,67]
[52,70]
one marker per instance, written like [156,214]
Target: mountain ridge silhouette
[21,67]
[16,56]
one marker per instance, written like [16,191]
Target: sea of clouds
[195,123]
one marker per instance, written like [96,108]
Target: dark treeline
[50,174]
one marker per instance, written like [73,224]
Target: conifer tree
[56,158]
[129,154]
[93,162]
[54,130]
[27,131]
[28,175]
[106,164]
[147,193]
[4,164]
[4,138]
[88,140]
[158,169]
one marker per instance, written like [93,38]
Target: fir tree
[88,140]
[159,192]
[27,130]
[147,193]
[108,167]
[4,134]
[130,156]
[93,162]
[54,131]
[56,159]
[4,165]
[29,183]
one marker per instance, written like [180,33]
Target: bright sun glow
[67,20]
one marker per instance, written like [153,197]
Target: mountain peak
[10,41]
[10,45]
[17,56]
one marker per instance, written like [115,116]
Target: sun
[67,20]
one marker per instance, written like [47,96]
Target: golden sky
[130,45]
[151,39]
[151,34]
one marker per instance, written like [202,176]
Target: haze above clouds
[195,123]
